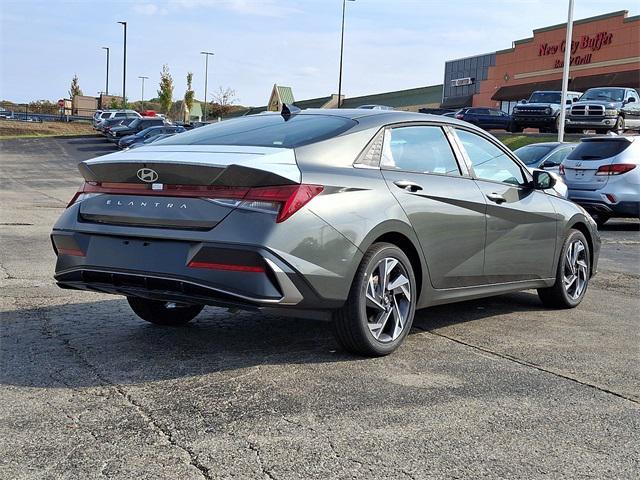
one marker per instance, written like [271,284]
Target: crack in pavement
[524,363]
[254,448]
[166,433]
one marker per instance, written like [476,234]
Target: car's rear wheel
[163,313]
[572,276]
[379,311]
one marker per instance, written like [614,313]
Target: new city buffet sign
[579,57]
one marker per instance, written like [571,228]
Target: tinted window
[597,150]
[267,130]
[120,114]
[490,162]
[419,149]
[532,154]
[606,94]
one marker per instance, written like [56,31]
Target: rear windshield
[597,150]
[266,131]
[532,154]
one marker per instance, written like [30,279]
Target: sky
[389,44]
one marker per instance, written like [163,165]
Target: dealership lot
[497,388]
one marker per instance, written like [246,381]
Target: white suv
[109,114]
[603,175]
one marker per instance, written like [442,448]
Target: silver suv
[603,176]
[109,114]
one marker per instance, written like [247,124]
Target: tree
[223,102]
[165,93]
[188,97]
[44,106]
[75,87]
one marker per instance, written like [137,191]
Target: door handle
[496,197]
[407,185]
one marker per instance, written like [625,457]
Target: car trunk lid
[183,187]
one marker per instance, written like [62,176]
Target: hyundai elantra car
[355,216]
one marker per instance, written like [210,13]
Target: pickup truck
[541,111]
[600,109]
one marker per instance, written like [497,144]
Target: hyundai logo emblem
[147,175]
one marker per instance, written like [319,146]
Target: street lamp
[124,66]
[344,3]
[106,89]
[142,101]
[206,76]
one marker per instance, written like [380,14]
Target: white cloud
[149,9]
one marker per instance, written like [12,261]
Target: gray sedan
[357,216]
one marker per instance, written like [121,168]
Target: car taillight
[615,169]
[281,200]
[561,169]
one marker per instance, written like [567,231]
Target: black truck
[541,111]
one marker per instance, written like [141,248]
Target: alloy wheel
[388,300]
[576,269]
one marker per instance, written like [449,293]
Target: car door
[521,221]
[444,205]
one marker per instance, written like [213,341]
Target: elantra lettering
[145,204]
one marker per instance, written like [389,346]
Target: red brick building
[605,51]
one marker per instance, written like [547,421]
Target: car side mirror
[631,99]
[569,101]
[523,101]
[543,180]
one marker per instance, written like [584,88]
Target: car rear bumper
[595,203]
[183,271]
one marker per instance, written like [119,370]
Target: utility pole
[206,77]
[565,72]
[124,67]
[142,101]
[344,3]
[106,88]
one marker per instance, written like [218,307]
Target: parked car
[600,109]
[362,216]
[603,176]
[106,125]
[631,114]
[116,114]
[542,110]
[152,140]
[147,133]
[139,124]
[546,155]
[487,118]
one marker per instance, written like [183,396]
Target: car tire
[619,127]
[556,125]
[514,128]
[572,274]
[163,313]
[379,310]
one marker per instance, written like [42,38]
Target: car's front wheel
[163,313]
[572,275]
[379,311]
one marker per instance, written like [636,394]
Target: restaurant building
[605,51]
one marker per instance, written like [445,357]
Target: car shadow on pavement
[623,226]
[98,343]
[101,148]
[89,141]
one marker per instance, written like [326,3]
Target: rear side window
[423,149]
[599,149]
[267,130]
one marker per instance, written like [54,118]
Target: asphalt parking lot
[495,388]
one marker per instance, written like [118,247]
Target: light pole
[565,72]
[142,101]
[106,89]
[344,3]
[206,77]
[124,67]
